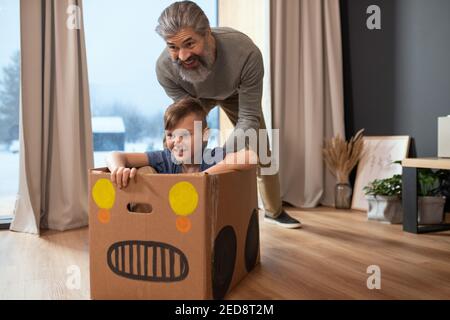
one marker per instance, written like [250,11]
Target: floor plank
[326,259]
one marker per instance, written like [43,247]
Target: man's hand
[241,160]
[121,175]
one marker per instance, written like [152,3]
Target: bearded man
[220,67]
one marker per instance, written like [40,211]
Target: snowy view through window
[9,104]
[127,102]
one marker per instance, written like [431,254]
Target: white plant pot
[431,210]
[387,209]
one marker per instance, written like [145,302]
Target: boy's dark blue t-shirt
[162,162]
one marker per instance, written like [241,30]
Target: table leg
[409,194]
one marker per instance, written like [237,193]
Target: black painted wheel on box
[252,242]
[224,259]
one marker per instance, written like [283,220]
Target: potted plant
[431,192]
[384,199]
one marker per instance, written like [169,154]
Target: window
[127,102]
[9,106]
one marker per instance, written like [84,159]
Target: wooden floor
[326,259]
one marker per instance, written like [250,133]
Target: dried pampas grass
[342,156]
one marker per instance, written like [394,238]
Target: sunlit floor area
[327,259]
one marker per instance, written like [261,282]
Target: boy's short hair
[182,108]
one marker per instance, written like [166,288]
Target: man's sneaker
[284,220]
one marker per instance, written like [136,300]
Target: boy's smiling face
[180,139]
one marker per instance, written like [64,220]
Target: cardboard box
[199,240]
[444,137]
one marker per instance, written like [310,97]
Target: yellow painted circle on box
[104,194]
[183,198]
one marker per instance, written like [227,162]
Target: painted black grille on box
[121,251]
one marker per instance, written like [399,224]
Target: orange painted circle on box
[104,216]
[183,224]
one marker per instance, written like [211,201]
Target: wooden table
[409,193]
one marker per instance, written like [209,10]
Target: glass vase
[343,196]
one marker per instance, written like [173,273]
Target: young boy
[179,151]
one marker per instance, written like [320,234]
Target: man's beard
[201,72]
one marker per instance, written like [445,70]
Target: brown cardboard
[198,263]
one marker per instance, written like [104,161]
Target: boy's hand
[121,175]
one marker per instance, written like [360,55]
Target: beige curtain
[55,129]
[307,94]
[252,18]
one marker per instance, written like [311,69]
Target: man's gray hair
[180,15]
